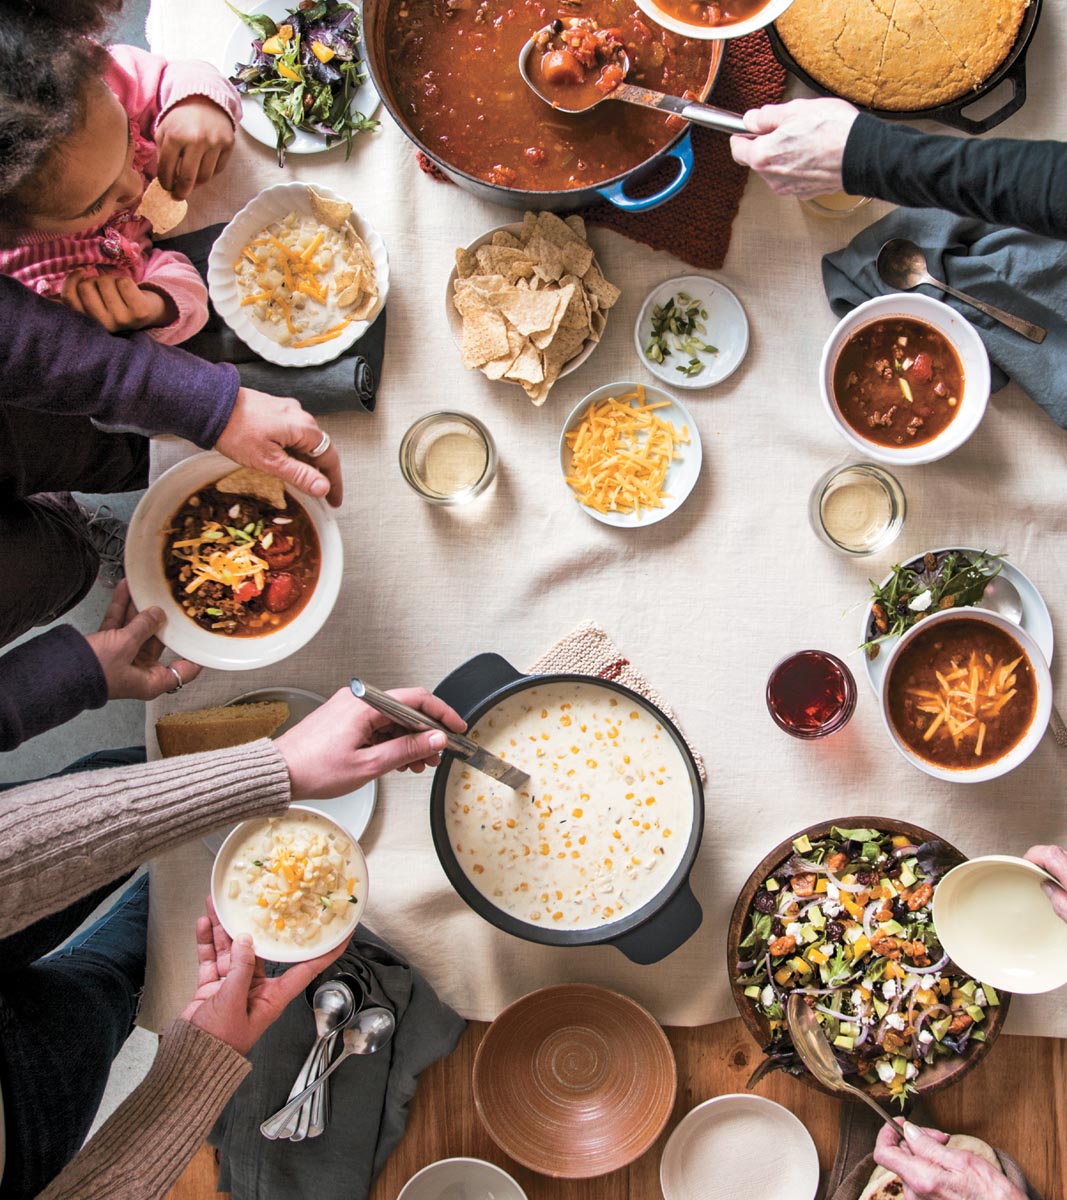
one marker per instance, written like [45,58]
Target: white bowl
[739,1146]
[726,330]
[714,33]
[461,1177]
[973,358]
[1042,709]
[997,924]
[681,475]
[287,954]
[149,587]
[271,205]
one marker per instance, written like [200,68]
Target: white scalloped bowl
[271,205]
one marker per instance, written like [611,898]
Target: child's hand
[117,302]
[194,139]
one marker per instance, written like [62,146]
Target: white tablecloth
[704,603]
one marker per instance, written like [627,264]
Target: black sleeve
[1006,181]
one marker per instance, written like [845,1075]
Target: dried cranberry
[777,927]
[765,903]
[866,878]
[835,931]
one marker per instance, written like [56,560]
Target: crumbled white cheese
[895,1021]
[921,602]
[832,910]
[980,998]
[833,892]
[857,998]
[793,929]
[926,1037]
[885,1071]
[889,989]
[767,996]
[911,1071]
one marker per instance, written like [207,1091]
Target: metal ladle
[902,265]
[706,115]
[816,1053]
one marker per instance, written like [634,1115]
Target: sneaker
[107,534]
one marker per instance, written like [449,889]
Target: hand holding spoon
[902,265]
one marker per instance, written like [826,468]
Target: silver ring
[321,448]
[178,681]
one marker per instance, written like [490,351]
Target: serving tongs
[462,747]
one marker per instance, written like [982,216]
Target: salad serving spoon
[816,1053]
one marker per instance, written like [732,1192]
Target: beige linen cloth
[705,603]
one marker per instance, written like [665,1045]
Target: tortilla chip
[547,258]
[485,337]
[248,481]
[530,311]
[466,263]
[497,260]
[554,229]
[503,237]
[333,213]
[577,225]
[596,285]
[527,367]
[160,209]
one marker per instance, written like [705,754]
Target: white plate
[739,1147]
[1037,621]
[681,475]
[354,810]
[726,329]
[460,1179]
[149,587]
[271,205]
[999,926]
[255,121]
[455,321]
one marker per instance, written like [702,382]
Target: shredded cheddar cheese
[968,698]
[221,557]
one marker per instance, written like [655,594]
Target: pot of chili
[448,72]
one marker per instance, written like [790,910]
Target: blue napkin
[1020,272]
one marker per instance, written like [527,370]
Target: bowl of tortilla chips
[298,274]
[527,303]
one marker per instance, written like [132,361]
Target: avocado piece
[801,844]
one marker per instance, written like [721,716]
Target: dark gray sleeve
[1006,181]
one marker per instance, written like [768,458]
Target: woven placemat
[588,650]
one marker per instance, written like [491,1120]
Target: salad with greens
[306,68]
[846,922]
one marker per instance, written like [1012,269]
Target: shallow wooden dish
[574,1081]
[945,1071]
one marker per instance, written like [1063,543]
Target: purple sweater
[57,361]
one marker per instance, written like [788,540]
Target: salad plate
[1036,619]
[254,121]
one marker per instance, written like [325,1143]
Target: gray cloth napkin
[1019,272]
[369,1095]
[854,1163]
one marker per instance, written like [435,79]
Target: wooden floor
[1016,1100]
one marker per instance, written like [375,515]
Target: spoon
[333,1004]
[371,1030]
[817,1055]
[902,264]
[1002,596]
[689,110]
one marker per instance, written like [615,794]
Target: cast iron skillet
[1012,69]
[668,920]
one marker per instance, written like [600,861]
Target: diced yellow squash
[287,72]
[817,956]
[901,840]
[800,966]
[321,52]
[820,884]
[783,975]
[859,948]
[273,46]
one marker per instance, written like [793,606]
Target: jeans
[43,457]
[64,1016]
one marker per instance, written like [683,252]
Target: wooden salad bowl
[945,1071]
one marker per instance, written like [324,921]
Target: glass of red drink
[811,694]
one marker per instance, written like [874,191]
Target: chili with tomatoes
[723,12]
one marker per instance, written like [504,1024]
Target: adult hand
[116,302]
[268,432]
[345,743]
[234,1000]
[930,1170]
[195,139]
[800,145]
[129,651]
[1054,860]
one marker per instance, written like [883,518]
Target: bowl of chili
[713,20]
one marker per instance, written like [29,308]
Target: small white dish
[353,810]
[1022,749]
[681,475]
[455,321]
[266,948]
[739,1146]
[997,924]
[254,121]
[726,329]
[1036,619]
[461,1179]
[709,33]
[973,358]
[271,205]
[145,541]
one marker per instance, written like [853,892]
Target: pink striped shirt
[148,87]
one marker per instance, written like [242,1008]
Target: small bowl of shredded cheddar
[630,454]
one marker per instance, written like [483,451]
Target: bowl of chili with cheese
[905,379]
[966,695]
[245,569]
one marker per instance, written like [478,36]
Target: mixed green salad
[306,68]
[846,922]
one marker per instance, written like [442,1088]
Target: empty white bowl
[461,1179]
[998,925]
[973,358]
[149,587]
[708,33]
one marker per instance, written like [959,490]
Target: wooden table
[1016,1100]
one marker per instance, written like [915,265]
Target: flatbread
[248,481]
[160,209]
[884,1185]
